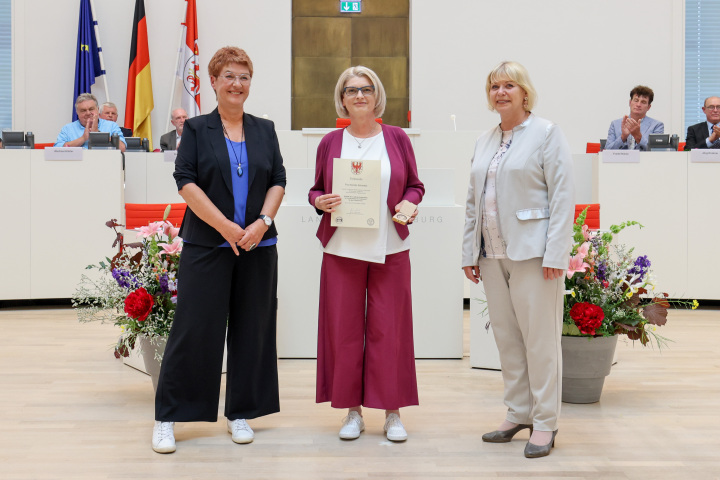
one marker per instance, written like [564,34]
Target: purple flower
[641,267]
[602,271]
[125,279]
[163,280]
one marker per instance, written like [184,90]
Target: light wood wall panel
[325,42]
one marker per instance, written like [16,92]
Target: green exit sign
[351,7]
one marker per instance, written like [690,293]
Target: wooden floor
[70,410]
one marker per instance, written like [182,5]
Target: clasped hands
[630,126]
[246,238]
[715,134]
[328,202]
[90,126]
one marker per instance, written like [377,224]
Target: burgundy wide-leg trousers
[366,354]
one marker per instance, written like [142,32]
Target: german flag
[139,100]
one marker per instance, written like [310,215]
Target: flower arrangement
[136,289]
[609,291]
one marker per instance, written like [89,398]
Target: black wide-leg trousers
[217,289]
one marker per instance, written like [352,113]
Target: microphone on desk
[452,117]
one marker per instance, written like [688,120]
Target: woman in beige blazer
[518,226]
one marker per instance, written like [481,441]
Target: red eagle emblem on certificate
[356,167]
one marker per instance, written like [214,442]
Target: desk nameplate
[620,156]
[63,153]
[169,156]
[705,155]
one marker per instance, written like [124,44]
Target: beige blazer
[535,194]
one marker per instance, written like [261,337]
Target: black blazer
[203,160]
[696,135]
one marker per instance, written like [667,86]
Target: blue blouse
[238,150]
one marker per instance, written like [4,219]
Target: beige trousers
[526,317]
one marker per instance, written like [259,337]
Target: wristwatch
[268,221]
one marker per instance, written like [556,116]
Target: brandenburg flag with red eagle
[189,64]
[139,100]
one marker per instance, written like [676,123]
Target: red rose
[587,317]
[139,304]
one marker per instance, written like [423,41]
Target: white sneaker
[241,431]
[394,428]
[163,439]
[353,424]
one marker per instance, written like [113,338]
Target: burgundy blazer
[404,181]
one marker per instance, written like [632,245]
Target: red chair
[592,219]
[344,122]
[592,148]
[40,146]
[140,214]
[681,146]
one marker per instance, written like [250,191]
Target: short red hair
[226,56]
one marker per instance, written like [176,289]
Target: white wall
[45,37]
[583,56]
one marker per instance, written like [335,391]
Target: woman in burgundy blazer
[365,337]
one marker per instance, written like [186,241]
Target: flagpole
[177,65]
[100,52]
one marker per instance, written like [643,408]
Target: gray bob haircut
[516,73]
[360,71]
[84,97]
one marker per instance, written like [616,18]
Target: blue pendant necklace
[239,169]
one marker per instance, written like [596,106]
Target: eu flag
[87,56]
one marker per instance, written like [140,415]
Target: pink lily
[586,232]
[152,229]
[173,248]
[577,262]
[167,227]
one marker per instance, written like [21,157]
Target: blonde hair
[360,71]
[516,73]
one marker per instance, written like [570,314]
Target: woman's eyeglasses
[243,78]
[353,91]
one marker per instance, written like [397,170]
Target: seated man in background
[706,134]
[108,111]
[77,133]
[171,140]
[631,132]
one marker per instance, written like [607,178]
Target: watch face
[267,220]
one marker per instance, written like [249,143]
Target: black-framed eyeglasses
[713,107]
[367,90]
[243,78]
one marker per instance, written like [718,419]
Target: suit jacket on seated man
[632,131]
[706,134]
[171,140]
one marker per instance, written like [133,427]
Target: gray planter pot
[586,363]
[148,350]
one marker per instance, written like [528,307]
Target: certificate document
[358,184]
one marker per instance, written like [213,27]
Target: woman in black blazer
[230,172]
